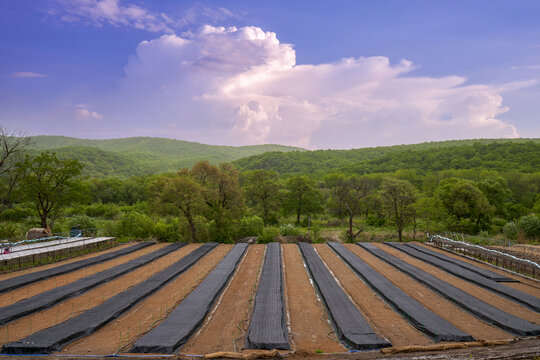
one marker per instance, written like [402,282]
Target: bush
[529,225]
[106,211]
[289,230]
[268,234]
[134,225]
[251,226]
[373,220]
[201,225]
[510,230]
[9,230]
[82,222]
[167,231]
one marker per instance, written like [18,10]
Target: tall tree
[301,197]
[350,193]
[262,192]
[13,144]
[223,197]
[50,184]
[179,195]
[399,197]
[467,205]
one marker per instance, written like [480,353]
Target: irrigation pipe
[486,249]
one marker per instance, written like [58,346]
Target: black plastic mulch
[513,294]
[17,282]
[423,319]
[268,325]
[183,321]
[349,324]
[56,337]
[61,293]
[485,273]
[481,309]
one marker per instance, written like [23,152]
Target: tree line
[220,203]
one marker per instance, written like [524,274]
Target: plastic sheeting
[56,337]
[422,318]
[513,294]
[183,321]
[485,273]
[268,325]
[470,303]
[350,325]
[54,296]
[62,245]
[17,282]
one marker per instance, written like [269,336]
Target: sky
[315,74]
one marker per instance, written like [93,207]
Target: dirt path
[529,286]
[68,261]
[45,285]
[477,291]
[384,320]
[120,334]
[309,326]
[29,324]
[220,328]
[440,306]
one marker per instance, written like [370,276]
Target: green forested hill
[498,154]
[143,155]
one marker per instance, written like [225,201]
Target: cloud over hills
[242,86]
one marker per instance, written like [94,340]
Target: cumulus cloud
[82,113]
[242,86]
[26,74]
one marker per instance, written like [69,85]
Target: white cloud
[122,13]
[82,113]
[25,74]
[241,85]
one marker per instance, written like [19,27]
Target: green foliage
[82,222]
[251,226]
[142,155]
[497,154]
[263,193]
[301,197]
[510,230]
[268,234]
[51,184]
[289,230]
[166,230]
[530,226]
[133,225]
[399,197]
[9,230]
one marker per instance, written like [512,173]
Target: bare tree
[13,144]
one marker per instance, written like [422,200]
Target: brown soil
[48,284]
[309,325]
[444,308]
[221,327]
[529,286]
[383,319]
[121,333]
[25,326]
[68,261]
[477,291]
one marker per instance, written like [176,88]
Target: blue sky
[318,74]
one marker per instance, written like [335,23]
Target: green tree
[50,184]
[13,144]
[399,197]
[530,226]
[262,189]
[496,191]
[179,195]
[301,197]
[349,193]
[429,208]
[223,197]
[467,205]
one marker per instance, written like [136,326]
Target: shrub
[106,211]
[82,222]
[529,225]
[510,230]
[251,226]
[9,230]
[373,220]
[166,231]
[268,234]
[289,230]
[134,225]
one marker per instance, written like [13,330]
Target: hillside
[496,154]
[143,155]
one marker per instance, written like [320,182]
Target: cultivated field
[311,299]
